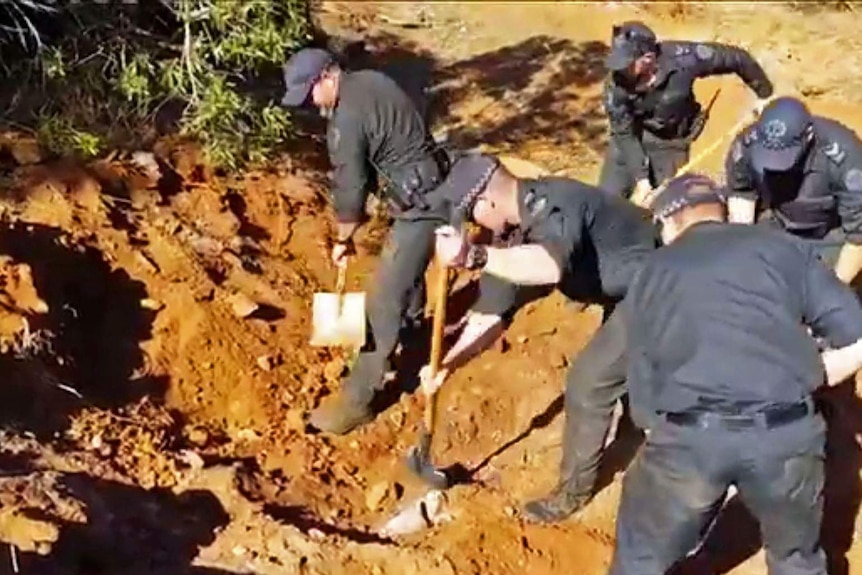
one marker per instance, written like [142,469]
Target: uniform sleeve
[348,149]
[713,59]
[622,128]
[559,233]
[496,296]
[849,194]
[737,171]
[831,308]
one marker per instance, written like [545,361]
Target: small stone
[242,305]
[522,339]
[397,418]
[316,534]
[192,459]
[198,436]
[151,304]
[239,550]
[265,362]
[559,361]
[248,435]
[26,151]
[376,495]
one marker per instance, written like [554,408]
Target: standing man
[721,372]
[374,134]
[802,174]
[587,244]
[649,98]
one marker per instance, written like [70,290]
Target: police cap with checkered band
[781,135]
[685,191]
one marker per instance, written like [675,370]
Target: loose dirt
[154,320]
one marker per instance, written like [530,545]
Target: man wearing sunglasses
[567,234]
[653,113]
[375,134]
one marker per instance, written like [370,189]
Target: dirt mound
[154,320]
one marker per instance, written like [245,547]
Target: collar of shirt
[702,226]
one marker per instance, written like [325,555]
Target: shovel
[419,458]
[338,319]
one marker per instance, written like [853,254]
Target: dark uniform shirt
[669,109]
[375,126]
[826,192]
[717,322]
[598,240]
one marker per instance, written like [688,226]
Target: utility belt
[802,221]
[767,418]
[685,131]
[406,188]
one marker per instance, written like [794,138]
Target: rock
[26,151]
[242,305]
[192,459]
[376,495]
[198,436]
[265,362]
[148,303]
[522,339]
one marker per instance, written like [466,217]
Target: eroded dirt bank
[154,320]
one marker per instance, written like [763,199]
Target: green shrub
[91,74]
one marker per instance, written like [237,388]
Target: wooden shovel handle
[342,279]
[439,322]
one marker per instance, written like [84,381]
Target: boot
[340,414]
[562,502]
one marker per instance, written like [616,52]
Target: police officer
[653,114]
[570,235]
[721,372]
[374,134]
[803,174]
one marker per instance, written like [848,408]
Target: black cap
[780,135]
[301,72]
[467,179]
[685,191]
[629,41]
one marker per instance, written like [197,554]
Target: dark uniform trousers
[680,478]
[398,292]
[665,158]
[594,383]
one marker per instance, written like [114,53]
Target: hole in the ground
[237,204]
[97,323]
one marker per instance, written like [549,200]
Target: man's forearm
[479,331]
[740,210]
[524,265]
[843,362]
[849,262]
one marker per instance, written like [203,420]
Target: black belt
[767,418]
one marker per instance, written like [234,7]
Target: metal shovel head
[338,320]
[419,463]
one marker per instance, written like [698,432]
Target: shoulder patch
[682,50]
[704,52]
[835,153]
[535,203]
[853,180]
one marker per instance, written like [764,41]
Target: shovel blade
[338,320]
[419,463]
